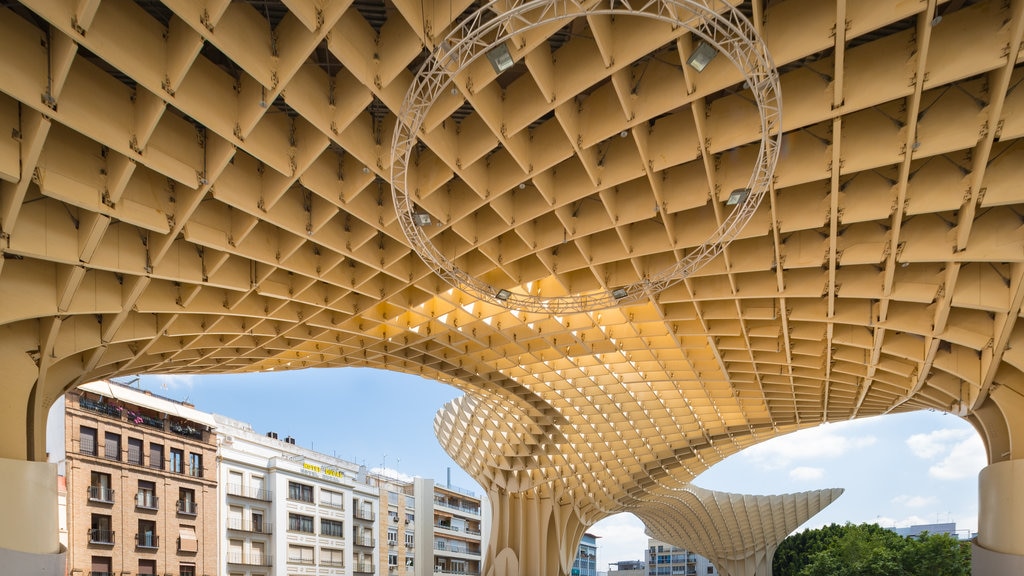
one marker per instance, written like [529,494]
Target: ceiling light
[623,134]
[503,295]
[500,58]
[619,293]
[421,219]
[737,196]
[702,56]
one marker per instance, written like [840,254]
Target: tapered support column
[532,533]
[28,505]
[999,548]
[28,485]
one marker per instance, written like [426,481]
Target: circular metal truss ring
[716,22]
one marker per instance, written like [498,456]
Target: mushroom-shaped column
[738,532]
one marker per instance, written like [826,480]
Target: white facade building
[289,511]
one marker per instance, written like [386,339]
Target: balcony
[333,563]
[101,537]
[147,540]
[240,525]
[99,407]
[249,492]
[147,501]
[101,494]
[187,507]
[186,430]
[249,559]
[366,542]
[363,568]
[363,514]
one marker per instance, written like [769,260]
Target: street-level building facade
[141,484]
[449,523]
[292,511]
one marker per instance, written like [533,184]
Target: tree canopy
[870,550]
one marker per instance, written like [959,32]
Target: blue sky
[897,470]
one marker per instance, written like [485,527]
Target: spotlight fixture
[702,56]
[503,295]
[737,196]
[500,58]
[619,293]
[623,134]
[421,219]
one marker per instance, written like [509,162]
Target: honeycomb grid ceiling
[189,189]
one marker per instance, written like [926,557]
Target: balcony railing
[147,500]
[101,494]
[249,526]
[363,568]
[363,514]
[147,540]
[249,492]
[100,407]
[249,559]
[186,430]
[367,542]
[333,563]
[97,536]
[187,507]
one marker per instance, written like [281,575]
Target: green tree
[869,550]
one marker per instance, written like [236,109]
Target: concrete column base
[999,548]
[15,562]
[28,506]
[988,563]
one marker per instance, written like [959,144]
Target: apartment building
[292,511]
[398,552]
[141,484]
[585,563]
[667,560]
[448,523]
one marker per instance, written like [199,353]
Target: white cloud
[391,473]
[965,460]
[811,444]
[806,473]
[937,442]
[914,501]
[175,381]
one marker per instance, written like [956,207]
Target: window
[332,499]
[147,567]
[257,521]
[187,540]
[256,554]
[711,569]
[177,461]
[146,537]
[87,440]
[392,559]
[186,570]
[234,520]
[102,566]
[99,488]
[392,537]
[187,501]
[235,551]
[332,557]
[300,523]
[156,455]
[112,446]
[300,554]
[100,532]
[195,465]
[146,497]
[332,528]
[135,451]
[393,498]
[410,539]
[298,491]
